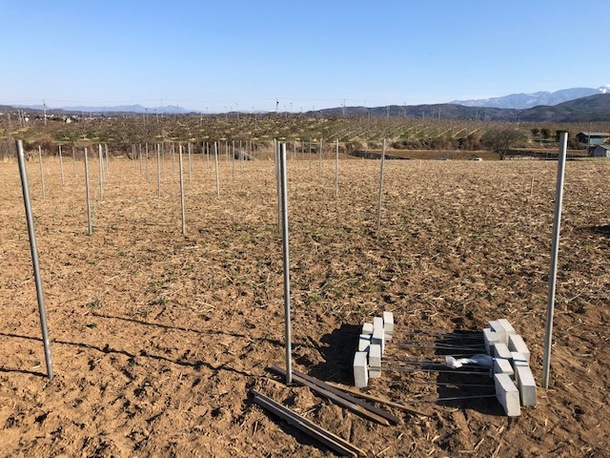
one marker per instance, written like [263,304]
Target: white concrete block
[377,323]
[375,356]
[379,338]
[510,331]
[502,351]
[361,370]
[374,373]
[500,332]
[388,322]
[517,344]
[363,342]
[526,385]
[490,338]
[367,328]
[503,366]
[507,395]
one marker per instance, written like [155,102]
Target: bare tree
[500,140]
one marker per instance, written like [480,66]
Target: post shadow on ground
[337,348]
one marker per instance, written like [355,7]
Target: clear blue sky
[243,54]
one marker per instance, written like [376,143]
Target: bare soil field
[158,338]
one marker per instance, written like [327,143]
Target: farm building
[601,151]
[593,138]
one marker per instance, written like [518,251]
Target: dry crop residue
[157,338]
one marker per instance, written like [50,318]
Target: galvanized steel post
[34,250]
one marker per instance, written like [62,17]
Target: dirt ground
[158,338]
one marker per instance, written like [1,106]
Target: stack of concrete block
[371,347]
[515,385]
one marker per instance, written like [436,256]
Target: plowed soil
[158,338]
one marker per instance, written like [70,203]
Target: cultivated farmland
[159,337]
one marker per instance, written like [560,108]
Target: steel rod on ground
[548,334]
[183,212]
[381,172]
[89,222]
[286,257]
[34,250]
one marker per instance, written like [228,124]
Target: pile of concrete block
[371,347]
[515,385]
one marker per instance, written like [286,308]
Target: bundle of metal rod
[486,373]
[440,346]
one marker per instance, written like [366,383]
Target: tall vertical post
[34,250]
[101,164]
[286,254]
[158,171]
[190,156]
[87,195]
[217,172]
[381,186]
[276,161]
[61,166]
[146,162]
[182,209]
[550,309]
[41,171]
[107,159]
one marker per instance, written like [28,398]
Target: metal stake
[182,191]
[217,172]
[89,222]
[380,186]
[61,166]
[286,253]
[34,250]
[41,172]
[548,335]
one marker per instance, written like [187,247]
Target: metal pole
[217,173]
[286,253]
[61,166]
[34,250]
[158,171]
[380,186]
[276,160]
[89,222]
[107,160]
[190,155]
[146,162]
[337,169]
[182,190]
[101,164]
[41,172]
[548,334]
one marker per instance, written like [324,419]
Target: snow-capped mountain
[524,101]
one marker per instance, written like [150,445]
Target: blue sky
[242,55]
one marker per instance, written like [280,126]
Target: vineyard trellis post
[283,191]
[41,172]
[87,195]
[61,166]
[381,176]
[182,209]
[217,172]
[35,263]
[548,335]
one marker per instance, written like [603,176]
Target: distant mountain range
[593,108]
[567,105]
[524,101]
[139,109]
